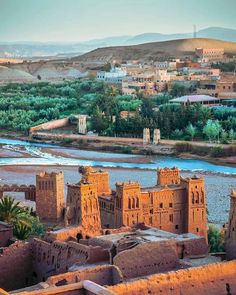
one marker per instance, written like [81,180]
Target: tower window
[177,226]
[171,205]
[197,229]
[171,217]
[161,205]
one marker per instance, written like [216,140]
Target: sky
[80,20]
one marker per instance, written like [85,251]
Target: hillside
[155,50]
[50,49]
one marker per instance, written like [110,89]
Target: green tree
[212,130]
[191,130]
[24,224]
[215,239]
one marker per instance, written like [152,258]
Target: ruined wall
[16,266]
[51,125]
[212,279]
[57,257]
[101,274]
[146,259]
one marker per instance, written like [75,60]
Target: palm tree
[11,212]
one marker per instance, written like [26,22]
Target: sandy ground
[76,154]
[217,186]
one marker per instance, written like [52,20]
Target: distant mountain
[212,33]
[31,49]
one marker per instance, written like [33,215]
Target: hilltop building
[209,54]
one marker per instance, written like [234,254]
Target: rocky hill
[156,50]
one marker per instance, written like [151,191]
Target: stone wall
[212,279]
[101,274]
[147,259]
[16,266]
[51,125]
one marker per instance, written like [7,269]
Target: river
[21,160]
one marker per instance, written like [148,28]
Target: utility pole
[194,31]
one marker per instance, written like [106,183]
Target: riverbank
[166,147]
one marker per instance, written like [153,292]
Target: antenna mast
[194,31]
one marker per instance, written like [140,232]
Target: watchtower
[128,208]
[99,177]
[50,196]
[196,221]
[83,207]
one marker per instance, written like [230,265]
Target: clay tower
[231,232]
[196,221]
[83,207]
[168,176]
[50,196]
[100,178]
[128,207]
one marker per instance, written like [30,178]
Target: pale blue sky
[77,20]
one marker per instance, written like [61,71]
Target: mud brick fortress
[175,204]
[130,240]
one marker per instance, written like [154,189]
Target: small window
[197,229]
[171,205]
[177,226]
[161,205]
[171,218]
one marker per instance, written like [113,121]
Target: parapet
[168,176]
[45,174]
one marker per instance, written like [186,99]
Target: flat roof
[148,235]
[194,98]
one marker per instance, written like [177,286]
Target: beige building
[209,54]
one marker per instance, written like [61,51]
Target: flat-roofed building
[200,99]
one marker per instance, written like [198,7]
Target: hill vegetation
[25,105]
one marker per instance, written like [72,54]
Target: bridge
[29,190]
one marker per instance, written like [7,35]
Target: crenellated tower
[83,207]
[98,177]
[50,196]
[196,221]
[128,207]
[168,176]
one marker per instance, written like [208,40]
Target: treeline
[29,104]
[176,121]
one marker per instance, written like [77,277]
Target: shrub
[217,151]
[215,239]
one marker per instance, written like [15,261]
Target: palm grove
[26,105]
